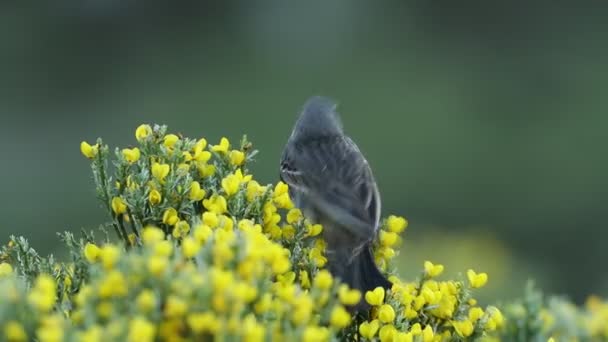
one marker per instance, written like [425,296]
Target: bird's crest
[318,119]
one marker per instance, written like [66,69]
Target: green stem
[124,232]
[104,188]
[132,223]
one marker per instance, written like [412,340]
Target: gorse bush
[195,249]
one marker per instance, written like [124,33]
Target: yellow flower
[315,334]
[231,184]
[226,222]
[396,224]
[157,265]
[348,296]
[196,193]
[190,247]
[263,304]
[475,314]
[200,145]
[92,334]
[280,265]
[42,296]
[160,171]
[216,204]
[181,229]
[280,189]
[369,329]
[314,229]
[104,310]
[477,280]
[201,322]
[375,297]
[175,307]
[236,157]
[5,269]
[339,317]
[170,140]
[323,280]
[387,333]
[286,278]
[416,329]
[388,239]
[146,301]
[91,252]
[463,328]
[428,334]
[113,284]
[89,151]
[202,233]
[170,217]
[294,215]
[205,170]
[386,313]
[210,219]
[154,197]
[141,330]
[303,309]
[254,189]
[429,296]
[304,279]
[220,278]
[410,313]
[496,319]
[281,196]
[288,232]
[187,156]
[222,147]
[51,329]
[316,255]
[445,307]
[244,292]
[152,235]
[252,330]
[163,248]
[109,256]
[14,332]
[131,155]
[432,270]
[119,206]
[142,132]
[386,253]
[404,337]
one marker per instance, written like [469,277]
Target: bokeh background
[486,124]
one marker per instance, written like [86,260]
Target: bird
[330,180]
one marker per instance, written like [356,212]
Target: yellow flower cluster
[597,317]
[429,310]
[216,283]
[212,252]
[388,239]
[208,253]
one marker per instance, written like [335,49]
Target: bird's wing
[335,176]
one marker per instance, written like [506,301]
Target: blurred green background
[485,123]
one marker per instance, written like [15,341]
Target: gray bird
[332,183]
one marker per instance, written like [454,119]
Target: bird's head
[318,119]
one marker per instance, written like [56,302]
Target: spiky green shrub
[195,249]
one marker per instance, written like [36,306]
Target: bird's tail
[363,274]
